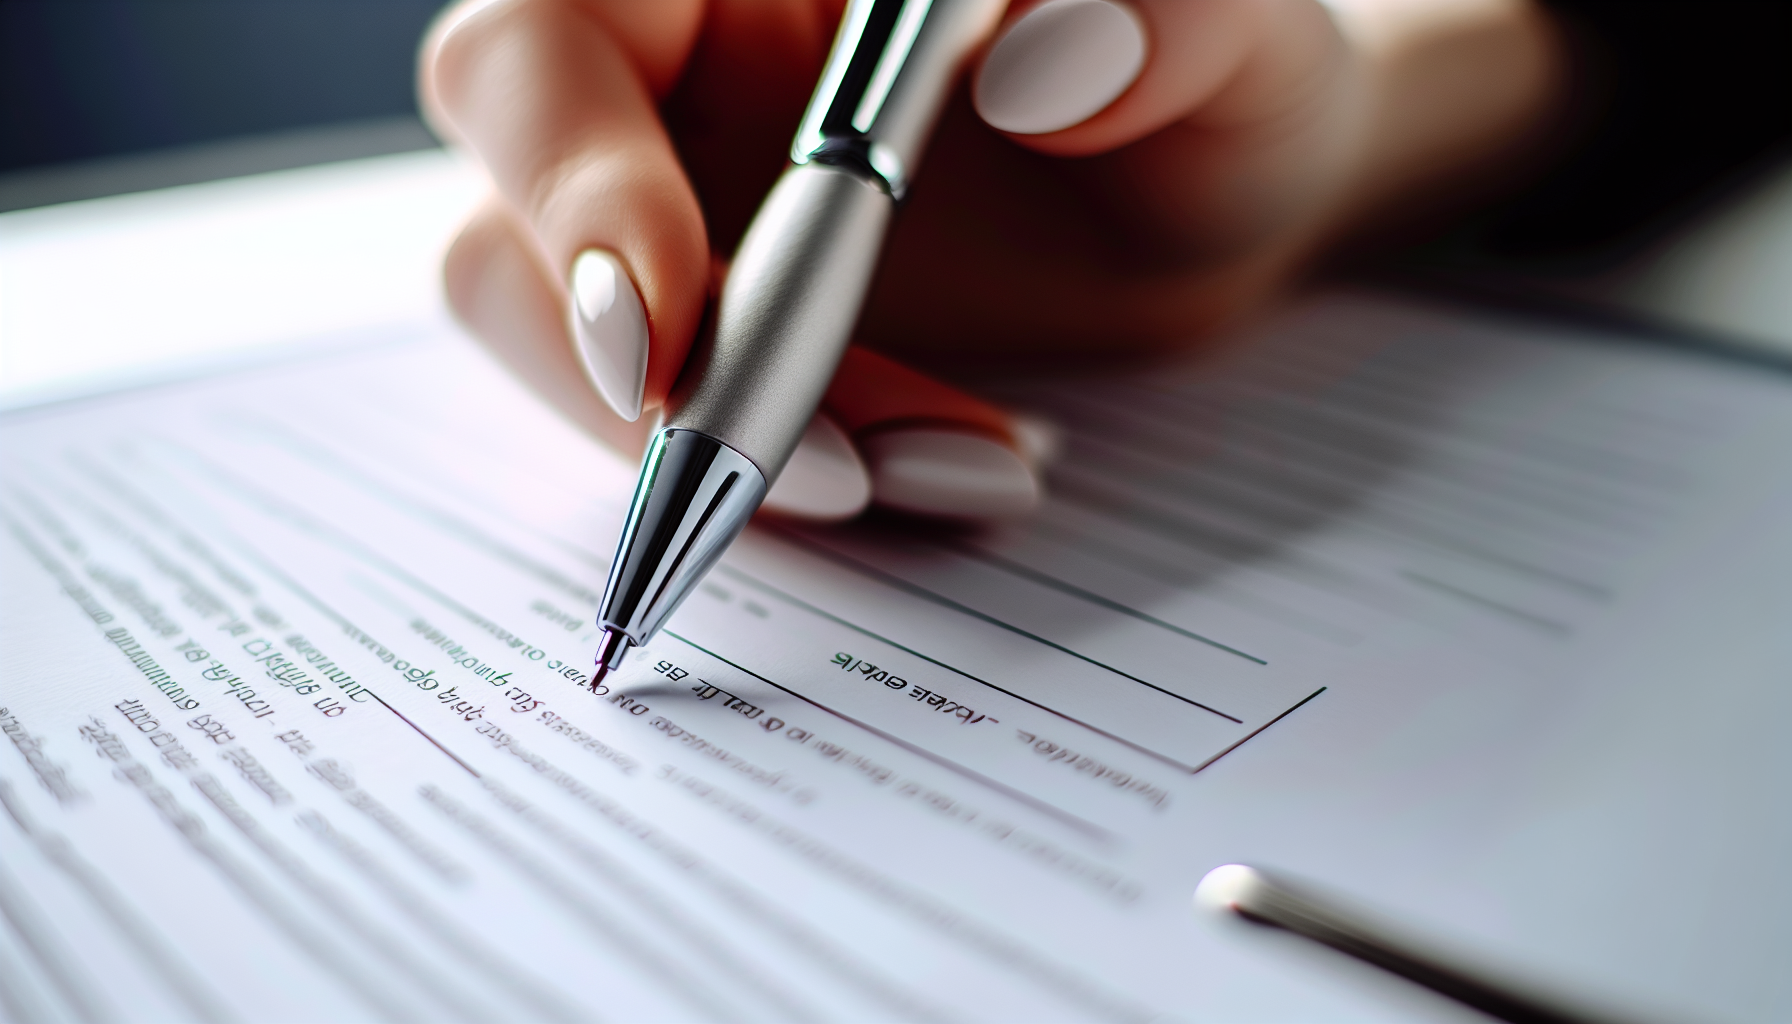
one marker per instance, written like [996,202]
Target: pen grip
[786,314]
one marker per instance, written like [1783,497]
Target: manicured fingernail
[1059,65]
[610,330]
[948,473]
[1039,438]
[824,478]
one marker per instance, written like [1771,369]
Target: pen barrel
[788,307]
[786,314]
[892,64]
[745,397]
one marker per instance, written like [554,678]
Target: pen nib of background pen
[609,656]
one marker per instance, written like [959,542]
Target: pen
[1264,899]
[788,306]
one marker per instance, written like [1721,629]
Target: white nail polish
[824,478]
[609,329]
[949,473]
[1059,65]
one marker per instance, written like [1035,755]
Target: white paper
[1480,625]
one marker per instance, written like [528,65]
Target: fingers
[1227,124]
[886,433]
[559,99]
[890,435]
[1238,133]
[498,288]
[932,449]
[824,480]
[591,270]
[1079,77]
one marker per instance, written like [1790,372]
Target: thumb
[1079,77]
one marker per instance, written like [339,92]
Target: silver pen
[1268,900]
[788,307]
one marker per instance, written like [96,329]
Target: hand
[1118,179]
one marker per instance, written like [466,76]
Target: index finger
[558,98]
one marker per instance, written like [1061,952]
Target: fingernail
[948,473]
[610,330]
[1059,65]
[824,478]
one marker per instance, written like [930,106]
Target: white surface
[110,291]
[1543,580]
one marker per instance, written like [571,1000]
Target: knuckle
[464,39]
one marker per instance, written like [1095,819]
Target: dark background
[81,79]
[1674,103]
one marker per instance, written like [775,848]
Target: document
[1427,604]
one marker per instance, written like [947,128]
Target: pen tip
[609,655]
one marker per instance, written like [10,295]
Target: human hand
[1120,179]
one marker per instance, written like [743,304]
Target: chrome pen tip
[610,650]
